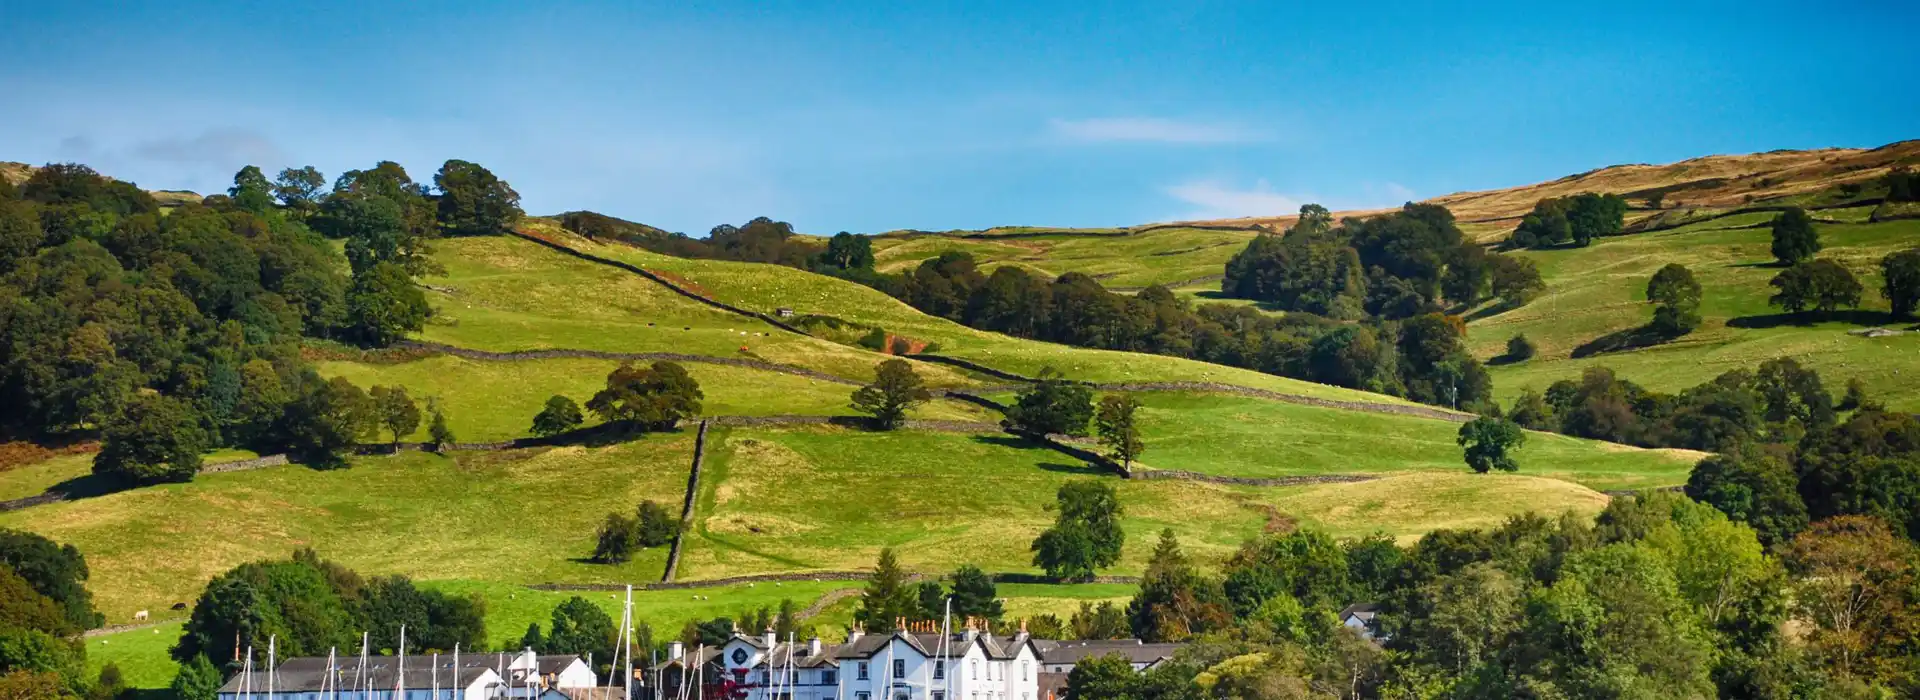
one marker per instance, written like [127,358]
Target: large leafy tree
[58,572]
[1822,285]
[580,627]
[1515,280]
[1615,624]
[299,189]
[384,304]
[1052,406]
[473,202]
[1755,487]
[1591,215]
[1794,238]
[1490,443]
[251,191]
[1086,532]
[325,418]
[1855,582]
[849,252]
[153,439]
[1675,295]
[1901,272]
[651,398]
[395,411]
[1118,429]
[895,389]
[974,594]
[559,415]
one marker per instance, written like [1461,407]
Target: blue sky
[873,116]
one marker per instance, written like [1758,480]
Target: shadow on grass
[1622,341]
[1081,469]
[89,486]
[1503,360]
[1008,440]
[1858,317]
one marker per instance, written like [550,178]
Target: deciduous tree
[653,398]
[395,411]
[154,438]
[1118,430]
[1490,442]
[1822,285]
[559,415]
[1901,272]
[1086,532]
[473,202]
[1794,238]
[895,389]
[1675,295]
[1052,406]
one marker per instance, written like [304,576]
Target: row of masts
[363,682]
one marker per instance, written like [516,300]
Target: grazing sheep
[140,616]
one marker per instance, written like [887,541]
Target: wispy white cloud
[1213,199]
[1152,130]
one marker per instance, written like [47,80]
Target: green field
[768,287]
[1133,260]
[1595,291]
[496,400]
[826,499]
[141,654]
[506,294]
[1237,436]
[526,516]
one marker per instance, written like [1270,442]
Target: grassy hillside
[1236,436]
[1153,256]
[496,400]
[1601,290]
[766,288]
[1690,189]
[523,517]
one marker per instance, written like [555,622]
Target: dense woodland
[167,333]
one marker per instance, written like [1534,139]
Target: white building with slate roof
[969,664]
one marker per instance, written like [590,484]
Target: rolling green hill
[1601,290]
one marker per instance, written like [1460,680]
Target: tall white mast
[246,674]
[400,676]
[272,656]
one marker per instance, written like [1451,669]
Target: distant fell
[1717,181]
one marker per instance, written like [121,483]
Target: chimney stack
[675,649]
[854,634]
[813,646]
[770,638]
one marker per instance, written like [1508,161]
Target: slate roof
[1135,651]
[1364,611]
[928,644]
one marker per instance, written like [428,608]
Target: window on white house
[862,675]
[1025,666]
[861,696]
[939,695]
[940,668]
[976,669]
[826,677]
[899,668]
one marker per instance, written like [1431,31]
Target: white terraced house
[970,664]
